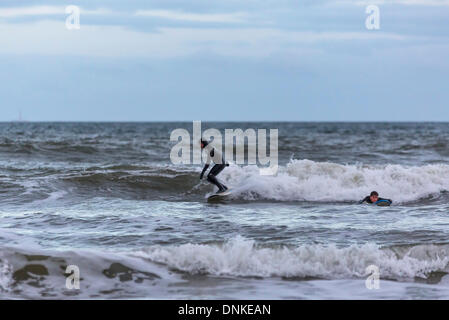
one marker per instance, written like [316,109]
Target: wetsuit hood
[204,143]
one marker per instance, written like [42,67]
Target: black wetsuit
[220,164]
[368,200]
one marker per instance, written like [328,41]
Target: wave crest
[242,257]
[305,180]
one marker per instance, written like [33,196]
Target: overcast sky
[246,60]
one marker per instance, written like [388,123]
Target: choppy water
[106,198]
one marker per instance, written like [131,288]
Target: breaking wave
[33,272]
[299,180]
[242,257]
[305,180]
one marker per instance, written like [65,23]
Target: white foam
[242,257]
[5,275]
[305,180]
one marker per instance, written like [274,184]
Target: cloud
[431,3]
[52,38]
[31,11]
[15,12]
[194,17]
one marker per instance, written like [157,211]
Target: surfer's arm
[208,160]
[364,200]
[204,170]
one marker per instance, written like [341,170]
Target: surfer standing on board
[215,156]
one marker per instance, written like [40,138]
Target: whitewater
[306,180]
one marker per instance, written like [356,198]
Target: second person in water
[373,198]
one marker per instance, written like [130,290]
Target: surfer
[215,156]
[373,198]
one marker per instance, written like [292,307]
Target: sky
[224,60]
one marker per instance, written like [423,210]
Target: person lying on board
[373,198]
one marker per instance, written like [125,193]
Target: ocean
[105,199]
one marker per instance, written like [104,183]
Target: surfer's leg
[211,177]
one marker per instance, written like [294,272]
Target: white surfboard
[220,195]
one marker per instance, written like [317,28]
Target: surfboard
[219,196]
[383,203]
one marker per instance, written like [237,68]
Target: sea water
[105,198]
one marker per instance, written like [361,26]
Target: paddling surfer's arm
[367,199]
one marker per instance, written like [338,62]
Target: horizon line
[222,121]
